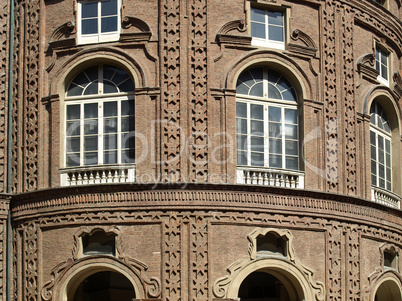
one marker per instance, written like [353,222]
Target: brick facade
[185,229]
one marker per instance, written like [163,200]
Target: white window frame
[270,102]
[379,51]
[266,42]
[98,37]
[99,99]
[387,137]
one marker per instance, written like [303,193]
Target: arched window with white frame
[380,148]
[99,126]
[268,129]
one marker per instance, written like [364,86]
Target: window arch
[99,114]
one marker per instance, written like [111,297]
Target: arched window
[99,127]
[267,124]
[99,114]
[380,144]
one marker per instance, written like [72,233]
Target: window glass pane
[110,141]
[275,130]
[274,114]
[291,147]
[91,158]
[273,92]
[275,17]
[384,72]
[91,89]
[384,58]
[81,79]
[257,159]
[258,30]
[257,127]
[387,146]
[73,159]
[241,126]
[109,87]
[372,138]
[257,144]
[91,127]
[110,125]
[241,109]
[291,131]
[256,111]
[275,161]
[110,108]
[110,157]
[91,143]
[128,140]
[257,90]
[127,86]
[127,107]
[373,180]
[74,90]
[283,85]
[381,158]
[109,7]
[73,128]
[119,76]
[89,26]
[273,77]
[91,110]
[291,116]
[127,124]
[381,170]
[380,142]
[241,142]
[128,156]
[257,74]
[242,89]
[289,95]
[275,146]
[73,112]
[388,174]
[373,153]
[89,9]
[373,167]
[73,144]
[275,33]
[109,24]
[257,14]
[241,158]
[292,163]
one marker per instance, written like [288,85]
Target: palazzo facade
[200,150]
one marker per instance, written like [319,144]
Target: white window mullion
[82,121]
[100,132]
[248,134]
[119,134]
[99,21]
[266,136]
[266,27]
[283,137]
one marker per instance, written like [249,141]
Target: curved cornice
[380,20]
[201,197]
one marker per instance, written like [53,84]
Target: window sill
[98,174]
[385,197]
[270,177]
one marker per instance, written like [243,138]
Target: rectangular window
[98,21]
[100,132]
[267,28]
[267,135]
[382,65]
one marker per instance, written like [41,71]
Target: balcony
[270,177]
[385,197]
[97,175]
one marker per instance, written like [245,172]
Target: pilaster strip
[171,81]
[198,90]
